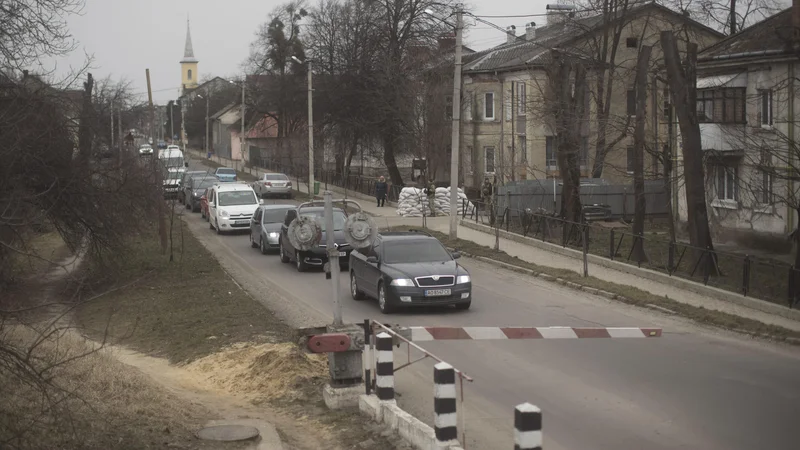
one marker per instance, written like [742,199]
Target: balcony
[722,137]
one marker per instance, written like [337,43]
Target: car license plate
[342,254]
[437,292]
[241,222]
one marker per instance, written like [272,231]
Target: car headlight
[223,213]
[402,282]
[196,194]
[463,279]
[273,235]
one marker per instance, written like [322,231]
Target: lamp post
[307,62]
[456,131]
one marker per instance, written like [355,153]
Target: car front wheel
[263,247]
[357,294]
[383,302]
[253,244]
[301,266]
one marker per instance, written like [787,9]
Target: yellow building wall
[189,75]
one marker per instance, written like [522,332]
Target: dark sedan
[317,256]
[195,189]
[403,269]
[183,195]
[265,227]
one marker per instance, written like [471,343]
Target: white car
[145,150]
[172,181]
[231,206]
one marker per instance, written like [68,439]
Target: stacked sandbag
[412,202]
[442,202]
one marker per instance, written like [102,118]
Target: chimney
[447,42]
[559,13]
[530,31]
[511,34]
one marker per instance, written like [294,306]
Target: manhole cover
[228,433]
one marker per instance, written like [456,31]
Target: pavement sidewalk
[387,216]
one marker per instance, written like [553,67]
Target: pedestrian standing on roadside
[380,191]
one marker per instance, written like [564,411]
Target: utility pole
[310,134]
[183,124]
[455,145]
[208,144]
[333,257]
[241,145]
[120,139]
[171,122]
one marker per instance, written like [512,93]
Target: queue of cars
[399,270]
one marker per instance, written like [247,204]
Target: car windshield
[174,175]
[226,172]
[204,183]
[426,251]
[276,177]
[235,198]
[338,219]
[275,215]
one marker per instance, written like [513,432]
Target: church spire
[188,51]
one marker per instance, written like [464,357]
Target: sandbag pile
[412,202]
[442,202]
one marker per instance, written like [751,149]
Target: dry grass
[89,400]
[181,310]
[627,294]
[44,249]
[262,372]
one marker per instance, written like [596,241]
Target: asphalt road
[694,388]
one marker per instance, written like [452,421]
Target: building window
[727,182]
[631,102]
[725,105]
[448,107]
[631,42]
[488,159]
[765,107]
[467,161]
[467,106]
[666,104]
[521,97]
[488,106]
[189,74]
[523,149]
[551,152]
[631,158]
[764,195]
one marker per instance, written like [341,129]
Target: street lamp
[241,137]
[455,138]
[207,138]
[307,62]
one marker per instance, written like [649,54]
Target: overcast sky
[125,37]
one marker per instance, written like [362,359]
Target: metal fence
[749,275]
[618,199]
[326,177]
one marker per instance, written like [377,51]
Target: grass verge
[623,293]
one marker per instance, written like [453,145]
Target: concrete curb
[691,286]
[414,431]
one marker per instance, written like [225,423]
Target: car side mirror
[456,254]
[261,202]
[372,259]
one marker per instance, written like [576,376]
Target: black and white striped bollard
[527,427]
[384,369]
[445,420]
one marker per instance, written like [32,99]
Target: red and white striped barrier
[419,334]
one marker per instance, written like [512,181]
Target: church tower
[189,73]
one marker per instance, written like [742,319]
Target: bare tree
[640,206]
[32,29]
[683,90]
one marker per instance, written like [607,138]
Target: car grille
[342,247]
[443,280]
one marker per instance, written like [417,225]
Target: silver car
[273,184]
[265,227]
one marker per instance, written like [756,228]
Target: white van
[172,158]
[231,206]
